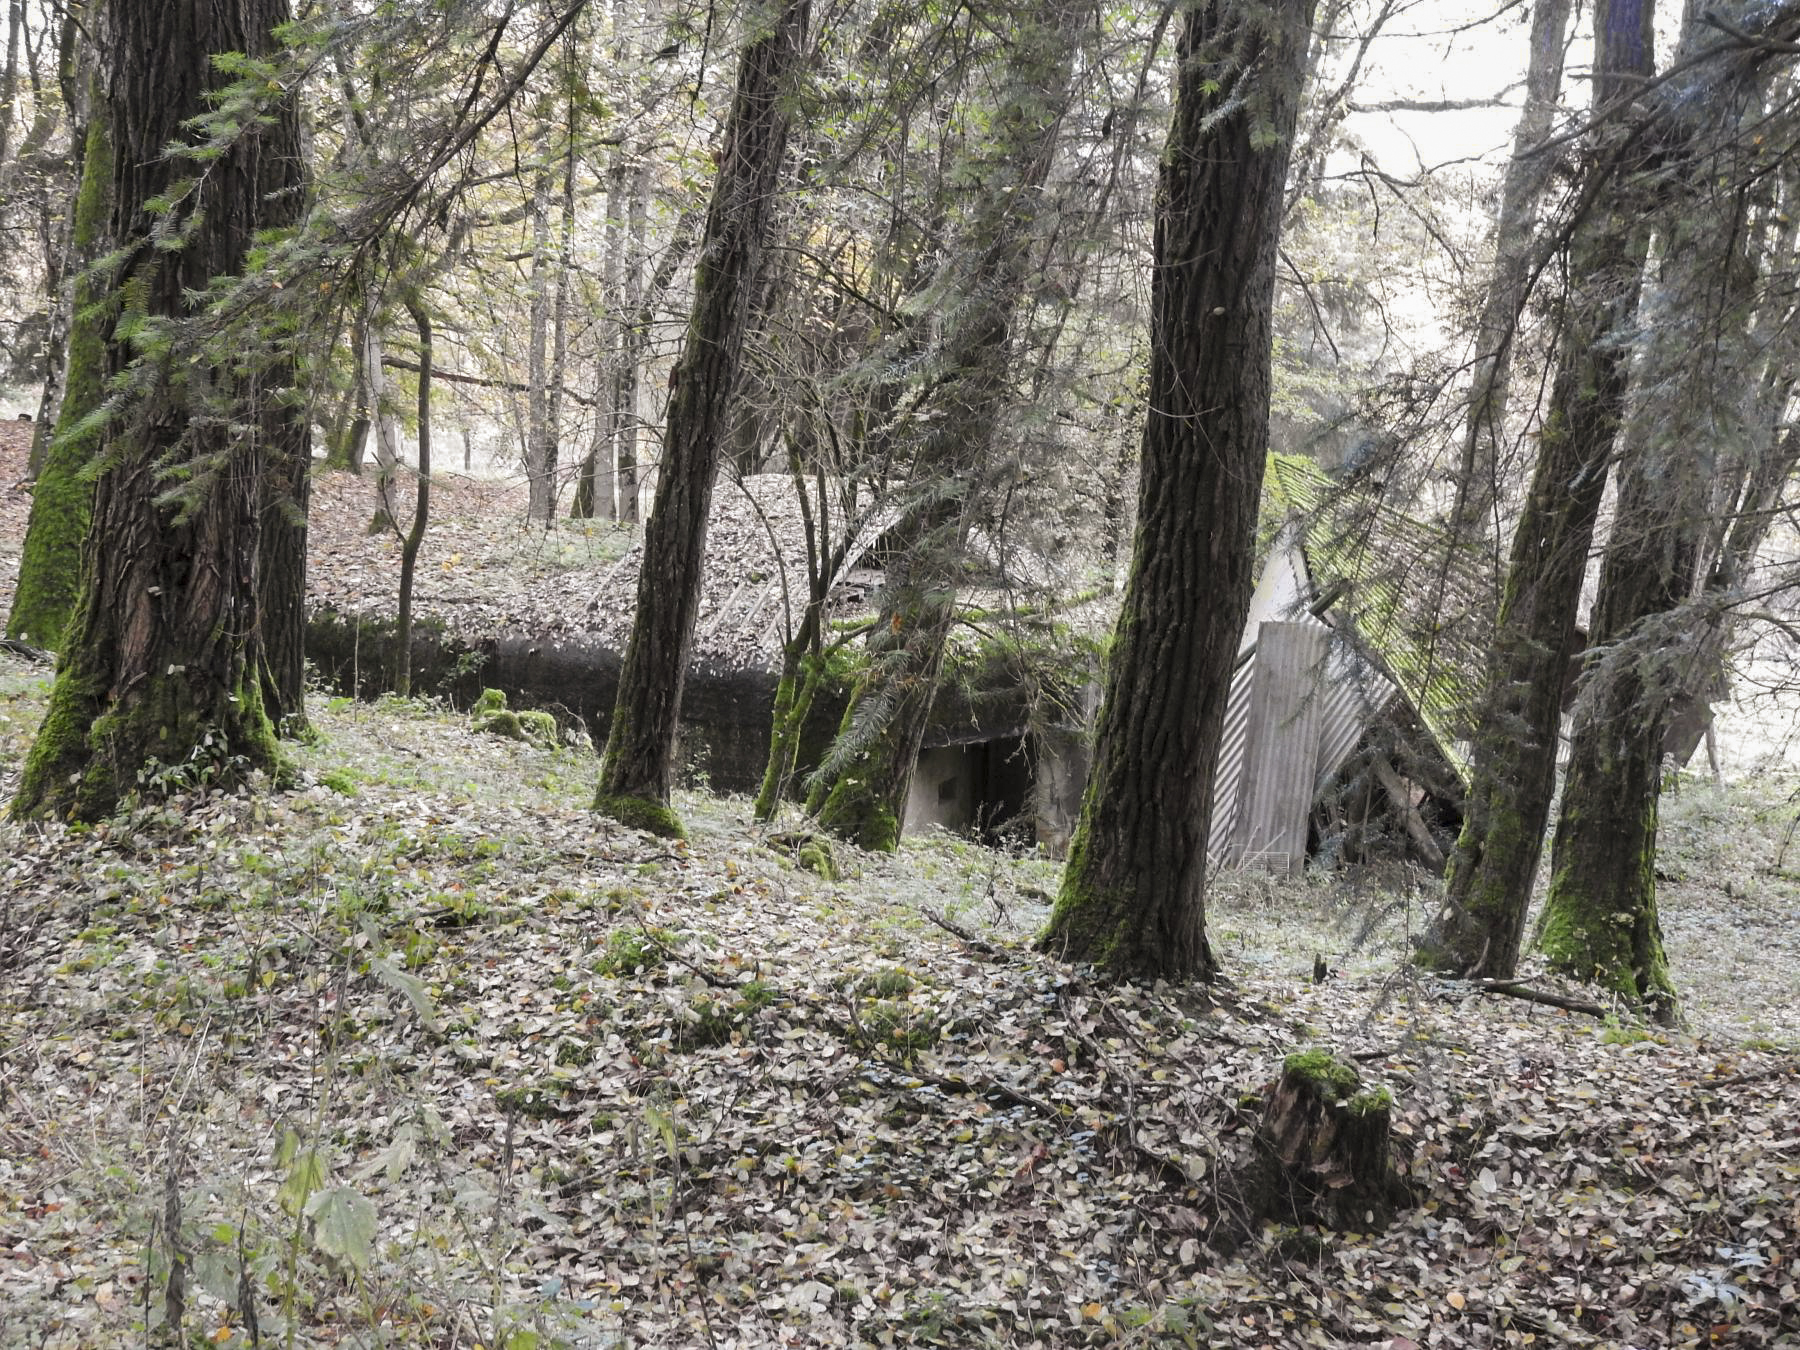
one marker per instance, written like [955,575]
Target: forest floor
[422,1052]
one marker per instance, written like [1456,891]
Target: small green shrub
[631,950]
[719,1020]
[900,1028]
[340,781]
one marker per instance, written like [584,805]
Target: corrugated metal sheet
[1417,600]
[1275,791]
[1351,692]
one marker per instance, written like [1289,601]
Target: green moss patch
[492,717]
[640,813]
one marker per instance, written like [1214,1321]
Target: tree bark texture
[415,534]
[639,766]
[559,321]
[860,792]
[640,300]
[540,437]
[1324,1151]
[281,571]
[1513,761]
[1694,419]
[1527,173]
[37,173]
[1133,892]
[163,655]
[596,484]
[381,426]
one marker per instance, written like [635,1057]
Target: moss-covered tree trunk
[862,798]
[802,671]
[162,657]
[1133,892]
[1513,764]
[639,768]
[50,562]
[1689,430]
[1600,918]
[349,449]
[947,436]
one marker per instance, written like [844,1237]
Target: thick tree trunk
[1133,892]
[860,792]
[1527,173]
[1600,918]
[163,655]
[50,561]
[1513,769]
[281,573]
[639,767]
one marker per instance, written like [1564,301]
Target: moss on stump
[810,851]
[1323,1151]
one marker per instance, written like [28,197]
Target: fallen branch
[27,652]
[716,980]
[1751,1076]
[1171,1169]
[956,930]
[1517,989]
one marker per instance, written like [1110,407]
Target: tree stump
[1323,1153]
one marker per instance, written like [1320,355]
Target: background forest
[647,647]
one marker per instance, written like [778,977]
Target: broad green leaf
[343,1225]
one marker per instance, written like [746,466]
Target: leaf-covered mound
[425,1053]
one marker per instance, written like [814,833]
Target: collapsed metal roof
[1400,610]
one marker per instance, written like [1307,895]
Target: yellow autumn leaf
[1092,1311]
[1456,1300]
